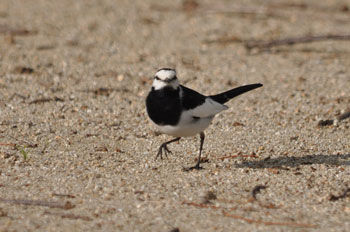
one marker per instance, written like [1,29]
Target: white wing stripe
[207,109]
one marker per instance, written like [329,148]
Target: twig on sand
[344,115]
[327,122]
[268,223]
[253,155]
[42,100]
[8,144]
[68,215]
[235,216]
[63,195]
[201,205]
[104,91]
[257,190]
[330,122]
[50,204]
[5,29]
[223,40]
[346,193]
[294,40]
[16,145]
[250,13]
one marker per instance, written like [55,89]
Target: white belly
[188,126]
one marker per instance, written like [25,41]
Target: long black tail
[228,95]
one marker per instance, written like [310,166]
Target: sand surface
[76,147]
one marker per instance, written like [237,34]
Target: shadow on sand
[293,161]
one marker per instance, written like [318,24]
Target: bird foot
[162,148]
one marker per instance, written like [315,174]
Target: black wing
[191,99]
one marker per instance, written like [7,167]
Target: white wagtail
[181,112]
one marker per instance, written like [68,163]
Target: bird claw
[160,152]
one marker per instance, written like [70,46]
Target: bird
[179,111]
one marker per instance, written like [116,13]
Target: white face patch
[158,84]
[164,78]
[166,74]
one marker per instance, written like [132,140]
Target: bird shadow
[293,161]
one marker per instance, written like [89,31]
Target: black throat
[164,106]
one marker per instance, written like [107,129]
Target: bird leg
[164,148]
[197,167]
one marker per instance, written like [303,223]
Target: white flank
[208,108]
[187,126]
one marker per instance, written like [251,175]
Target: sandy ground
[77,150]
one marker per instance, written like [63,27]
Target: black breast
[164,106]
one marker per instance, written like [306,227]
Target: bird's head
[165,77]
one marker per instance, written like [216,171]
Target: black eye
[173,78]
[157,78]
